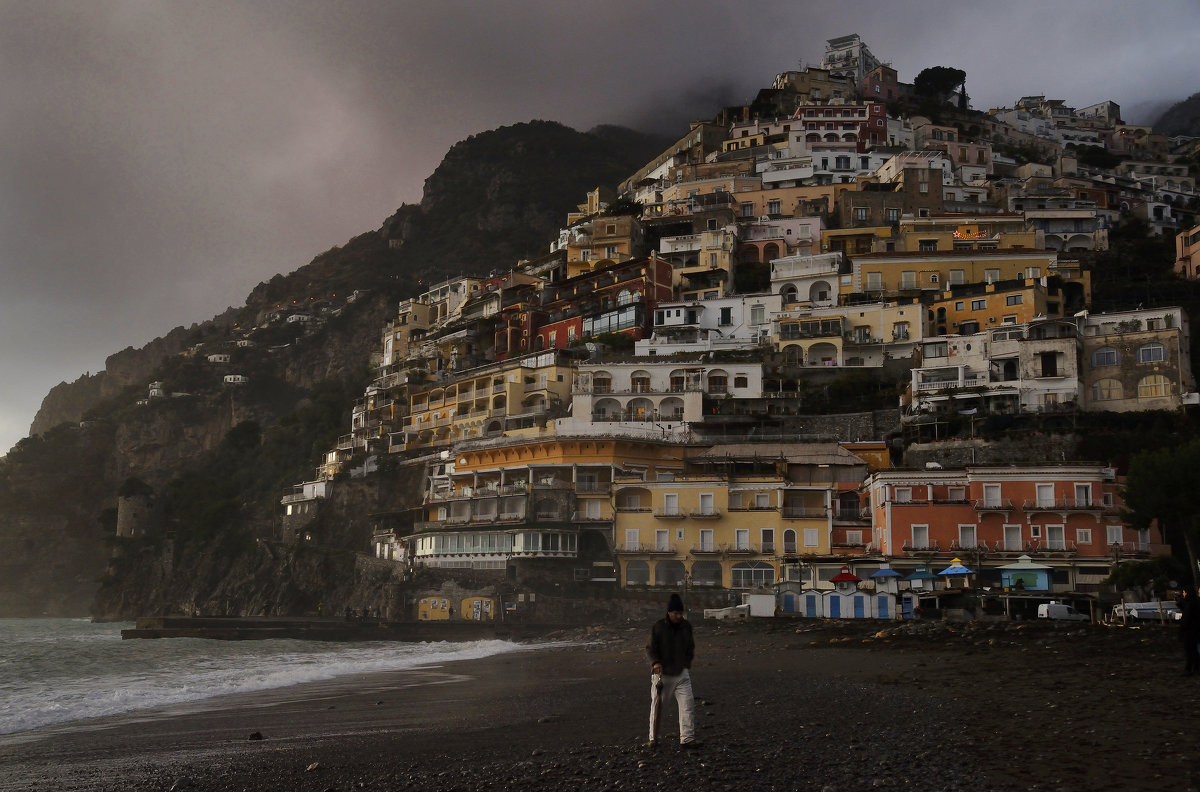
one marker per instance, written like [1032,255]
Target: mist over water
[56,671]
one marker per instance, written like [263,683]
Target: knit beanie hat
[675,603]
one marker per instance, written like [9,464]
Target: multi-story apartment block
[1187,253]
[511,398]
[959,232]
[815,85]
[733,516]
[865,334]
[967,309]
[702,264]
[917,192]
[530,507]
[1010,369]
[693,326]
[1067,517]
[1136,360]
[848,57]
[863,124]
[655,398]
[883,84]
[888,275]
[804,280]
[765,240]
[613,298]
[932,137]
[603,238]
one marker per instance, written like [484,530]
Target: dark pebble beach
[781,705]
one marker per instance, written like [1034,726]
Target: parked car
[1147,611]
[1060,612]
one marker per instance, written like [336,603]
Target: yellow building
[734,516]
[965,232]
[513,398]
[497,506]
[971,309]
[911,273]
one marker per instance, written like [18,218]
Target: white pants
[681,688]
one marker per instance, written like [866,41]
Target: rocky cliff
[217,459]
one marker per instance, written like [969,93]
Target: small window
[1151,353]
[1105,356]
[979,305]
[1012,299]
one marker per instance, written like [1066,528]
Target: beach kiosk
[887,589]
[1025,575]
[846,601]
[957,575]
[919,581]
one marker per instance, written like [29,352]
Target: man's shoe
[690,744]
[650,745]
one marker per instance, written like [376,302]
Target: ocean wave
[74,683]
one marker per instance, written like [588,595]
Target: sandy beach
[780,705]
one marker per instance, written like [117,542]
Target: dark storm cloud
[158,159]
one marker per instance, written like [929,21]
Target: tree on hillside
[1161,486]
[938,83]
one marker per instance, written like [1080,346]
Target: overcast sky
[159,159]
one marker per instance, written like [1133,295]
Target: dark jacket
[671,645]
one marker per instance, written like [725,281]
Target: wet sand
[780,705]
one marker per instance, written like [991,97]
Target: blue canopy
[956,568]
[922,574]
[885,573]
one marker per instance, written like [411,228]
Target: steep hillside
[1182,118]
[218,458]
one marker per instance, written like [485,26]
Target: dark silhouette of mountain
[1181,118]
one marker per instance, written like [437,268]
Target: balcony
[929,548]
[710,514]
[954,384]
[593,487]
[674,514]
[588,518]
[646,549]
[741,548]
[803,513]
[1065,504]
[994,504]
[705,548]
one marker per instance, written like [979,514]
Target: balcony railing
[642,549]
[803,512]
[705,548]
[593,487]
[701,514]
[993,504]
[1086,504]
[673,514]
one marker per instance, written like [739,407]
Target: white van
[1060,612]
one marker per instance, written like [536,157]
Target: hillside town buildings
[636,409]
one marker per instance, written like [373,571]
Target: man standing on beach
[670,650]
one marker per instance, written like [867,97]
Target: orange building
[1068,517]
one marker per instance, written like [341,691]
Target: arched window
[637,573]
[1106,390]
[752,574]
[624,297]
[1154,385]
[1105,356]
[601,382]
[640,380]
[789,541]
[1151,353]
[788,293]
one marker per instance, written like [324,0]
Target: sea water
[56,671]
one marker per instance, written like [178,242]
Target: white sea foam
[55,671]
